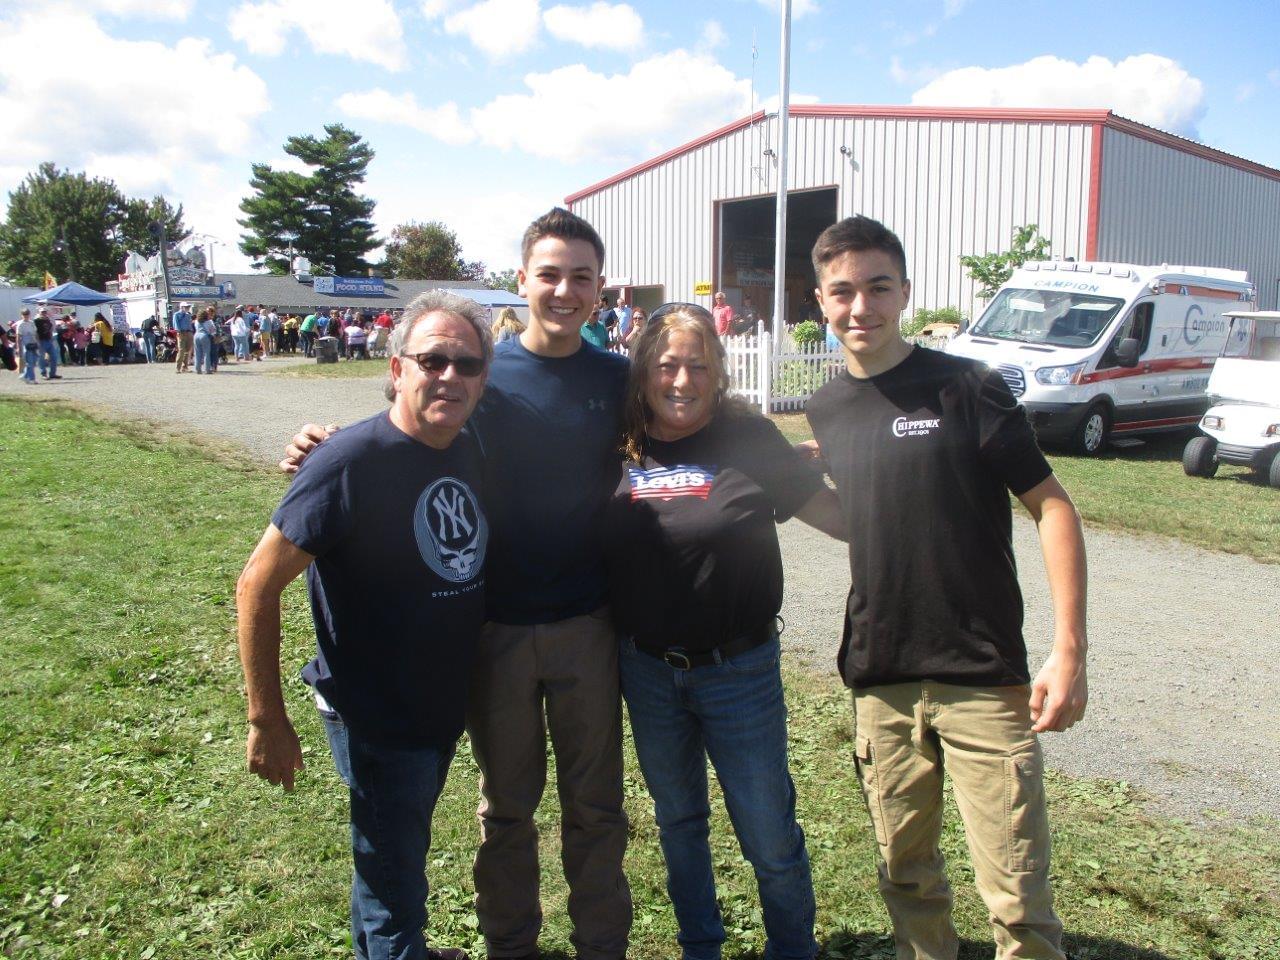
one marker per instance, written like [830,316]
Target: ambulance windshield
[1050,317]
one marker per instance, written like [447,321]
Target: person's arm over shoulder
[783,473]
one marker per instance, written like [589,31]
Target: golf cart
[1243,424]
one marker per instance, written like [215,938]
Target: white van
[1092,349]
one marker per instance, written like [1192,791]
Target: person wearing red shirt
[383,320]
[723,315]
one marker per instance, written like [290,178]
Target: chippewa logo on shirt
[907,427]
[668,482]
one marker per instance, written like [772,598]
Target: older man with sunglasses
[388,506]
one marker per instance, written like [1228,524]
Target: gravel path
[1185,657]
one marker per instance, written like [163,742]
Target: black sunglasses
[702,313]
[438,363]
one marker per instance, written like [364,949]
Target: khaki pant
[562,678]
[905,735]
[185,341]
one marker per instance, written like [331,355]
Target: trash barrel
[327,350]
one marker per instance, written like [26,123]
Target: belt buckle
[676,657]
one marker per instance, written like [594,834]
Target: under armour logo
[595,404]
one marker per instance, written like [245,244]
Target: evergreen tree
[76,227]
[327,221]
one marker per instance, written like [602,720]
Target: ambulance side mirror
[1127,352]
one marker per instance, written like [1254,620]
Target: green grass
[1142,489]
[129,828]
[342,370]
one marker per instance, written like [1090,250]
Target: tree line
[72,226]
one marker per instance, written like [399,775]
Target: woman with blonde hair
[508,326]
[695,587]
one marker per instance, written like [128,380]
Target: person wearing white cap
[185,327]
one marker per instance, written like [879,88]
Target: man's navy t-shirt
[550,429]
[397,586]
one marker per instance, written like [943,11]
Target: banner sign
[358,286]
[199,291]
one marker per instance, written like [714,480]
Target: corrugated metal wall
[1165,206]
[946,187]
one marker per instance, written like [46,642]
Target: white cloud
[142,9]
[443,122]
[611,26]
[133,126]
[1245,91]
[912,76]
[662,101]
[953,8]
[179,139]
[373,34]
[713,35]
[497,27]
[799,8]
[1148,88]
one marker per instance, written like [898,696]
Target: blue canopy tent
[70,294]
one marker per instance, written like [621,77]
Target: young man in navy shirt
[925,449]
[549,424]
[386,509]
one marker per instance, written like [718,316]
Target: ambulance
[1101,350]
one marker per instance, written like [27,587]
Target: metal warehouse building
[949,181]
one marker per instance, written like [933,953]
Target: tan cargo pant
[905,735]
[559,677]
[185,341]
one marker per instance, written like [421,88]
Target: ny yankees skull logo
[451,531]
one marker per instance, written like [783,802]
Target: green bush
[923,318]
[806,333]
[799,378]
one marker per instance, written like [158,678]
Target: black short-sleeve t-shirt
[924,457]
[397,585]
[692,546]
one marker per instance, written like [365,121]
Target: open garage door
[746,251]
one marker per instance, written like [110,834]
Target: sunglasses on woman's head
[702,313]
[438,362]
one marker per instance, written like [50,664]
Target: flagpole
[780,226]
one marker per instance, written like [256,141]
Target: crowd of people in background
[192,339]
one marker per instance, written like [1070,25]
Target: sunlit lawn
[129,829]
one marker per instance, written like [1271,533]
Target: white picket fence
[777,375]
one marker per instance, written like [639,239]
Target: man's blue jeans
[48,358]
[149,345]
[393,795]
[30,357]
[732,712]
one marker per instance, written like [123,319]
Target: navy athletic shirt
[550,429]
[397,586]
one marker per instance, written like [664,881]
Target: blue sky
[484,113]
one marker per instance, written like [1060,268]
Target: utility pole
[784,140]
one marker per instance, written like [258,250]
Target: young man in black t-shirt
[924,449]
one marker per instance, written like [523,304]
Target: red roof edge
[1096,117]
[890,111]
[669,155]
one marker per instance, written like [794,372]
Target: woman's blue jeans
[733,713]
[393,795]
[242,346]
[203,343]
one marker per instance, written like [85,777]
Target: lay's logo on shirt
[669,482]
